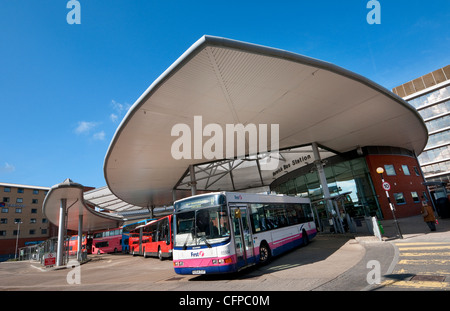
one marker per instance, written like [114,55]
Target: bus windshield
[204,226]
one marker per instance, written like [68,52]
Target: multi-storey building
[430,95]
[21,217]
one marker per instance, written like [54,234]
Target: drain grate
[428,278]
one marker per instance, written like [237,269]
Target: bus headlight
[222,261]
[177,263]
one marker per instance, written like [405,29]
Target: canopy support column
[80,238]
[324,185]
[193,180]
[61,230]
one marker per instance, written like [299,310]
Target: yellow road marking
[418,284]
[424,262]
[417,248]
[424,254]
[423,243]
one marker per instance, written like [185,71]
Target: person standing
[428,215]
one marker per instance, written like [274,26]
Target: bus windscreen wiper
[185,242]
[206,242]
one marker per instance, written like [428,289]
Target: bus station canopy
[231,82]
[106,201]
[76,206]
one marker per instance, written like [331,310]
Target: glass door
[242,236]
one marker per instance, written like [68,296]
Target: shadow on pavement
[319,249]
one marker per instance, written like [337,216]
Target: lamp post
[386,186]
[17,239]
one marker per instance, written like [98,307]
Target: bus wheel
[98,252]
[160,254]
[145,254]
[305,238]
[264,253]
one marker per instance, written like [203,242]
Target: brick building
[21,216]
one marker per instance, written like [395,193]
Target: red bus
[153,239]
[86,245]
[107,241]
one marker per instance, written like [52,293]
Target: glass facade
[343,177]
[430,98]
[434,107]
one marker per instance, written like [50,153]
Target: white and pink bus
[228,231]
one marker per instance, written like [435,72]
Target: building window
[35,191]
[7,189]
[19,200]
[32,231]
[415,197]
[43,231]
[20,190]
[390,170]
[6,199]
[2,233]
[4,221]
[32,220]
[19,210]
[416,170]
[17,220]
[44,220]
[399,198]
[406,170]
[34,201]
[34,211]
[5,210]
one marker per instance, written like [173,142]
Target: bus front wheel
[305,238]
[160,254]
[264,253]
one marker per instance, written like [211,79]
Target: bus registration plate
[198,271]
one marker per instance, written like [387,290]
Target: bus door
[242,236]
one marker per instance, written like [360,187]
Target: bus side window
[258,220]
[291,214]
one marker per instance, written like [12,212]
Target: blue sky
[65,88]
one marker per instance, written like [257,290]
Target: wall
[400,183]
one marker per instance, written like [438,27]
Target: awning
[105,200]
[230,82]
[76,205]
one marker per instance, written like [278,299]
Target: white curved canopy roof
[76,205]
[231,82]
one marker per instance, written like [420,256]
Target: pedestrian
[428,215]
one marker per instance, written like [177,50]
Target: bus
[153,238]
[126,234]
[86,245]
[107,241]
[227,231]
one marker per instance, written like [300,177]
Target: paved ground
[329,263]
[304,268]
[421,259]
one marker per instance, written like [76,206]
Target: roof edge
[208,40]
